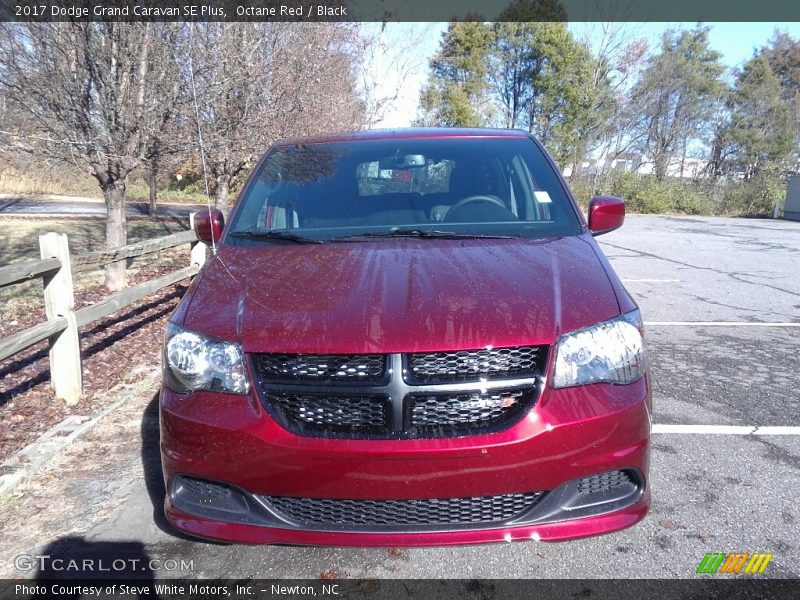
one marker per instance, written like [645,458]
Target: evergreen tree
[761,134]
[783,54]
[676,96]
[528,75]
[458,77]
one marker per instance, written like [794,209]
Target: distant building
[634,162]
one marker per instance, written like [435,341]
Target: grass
[55,183]
[139,192]
[46,183]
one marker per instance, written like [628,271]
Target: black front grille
[322,368]
[316,414]
[396,396]
[603,482]
[387,515]
[445,367]
[442,415]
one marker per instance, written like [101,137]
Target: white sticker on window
[542,197]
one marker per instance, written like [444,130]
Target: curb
[34,456]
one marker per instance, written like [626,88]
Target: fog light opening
[206,498]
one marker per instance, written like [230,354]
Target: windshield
[422,188]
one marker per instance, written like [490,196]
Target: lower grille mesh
[389,514]
[204,489]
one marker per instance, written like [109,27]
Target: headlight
[196,362]
[612,352]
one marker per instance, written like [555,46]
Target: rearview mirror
[606,213]
[208,224]
[407,161]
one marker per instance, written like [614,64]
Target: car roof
[404,133]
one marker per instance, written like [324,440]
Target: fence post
[198,248]
[59,301]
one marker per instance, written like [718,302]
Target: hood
[400,295]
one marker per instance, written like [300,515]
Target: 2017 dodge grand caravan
[406,338]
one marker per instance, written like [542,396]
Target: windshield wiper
[271,234]
[420,233]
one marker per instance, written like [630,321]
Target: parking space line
[720,324]
[726,429]
[777,430]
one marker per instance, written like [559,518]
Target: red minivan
[406,338]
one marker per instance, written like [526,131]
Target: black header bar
[401,10]
[399,589]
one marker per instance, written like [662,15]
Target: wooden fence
[56,268]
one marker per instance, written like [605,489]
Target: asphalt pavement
[712,491]
[11,205]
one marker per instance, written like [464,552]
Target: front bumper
[570,434]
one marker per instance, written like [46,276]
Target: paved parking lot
[713,490]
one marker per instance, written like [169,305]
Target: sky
[734,41]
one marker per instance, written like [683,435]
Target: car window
[494,186]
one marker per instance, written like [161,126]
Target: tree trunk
[716,157]
[116,232]
[683,158]
[577,160]
[152,174]
[661,162]
[223,188]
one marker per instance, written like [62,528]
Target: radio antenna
[200,136]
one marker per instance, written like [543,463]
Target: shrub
[583,192]
[734,197]
[642,194]
[754,197]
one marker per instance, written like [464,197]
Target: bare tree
[93,94]
[259,82]
[166,149]
[388,59]
[618,57]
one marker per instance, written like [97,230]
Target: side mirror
[208,224]
[606,213]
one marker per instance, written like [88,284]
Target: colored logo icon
[738,562]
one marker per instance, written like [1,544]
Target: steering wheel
[471,200]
